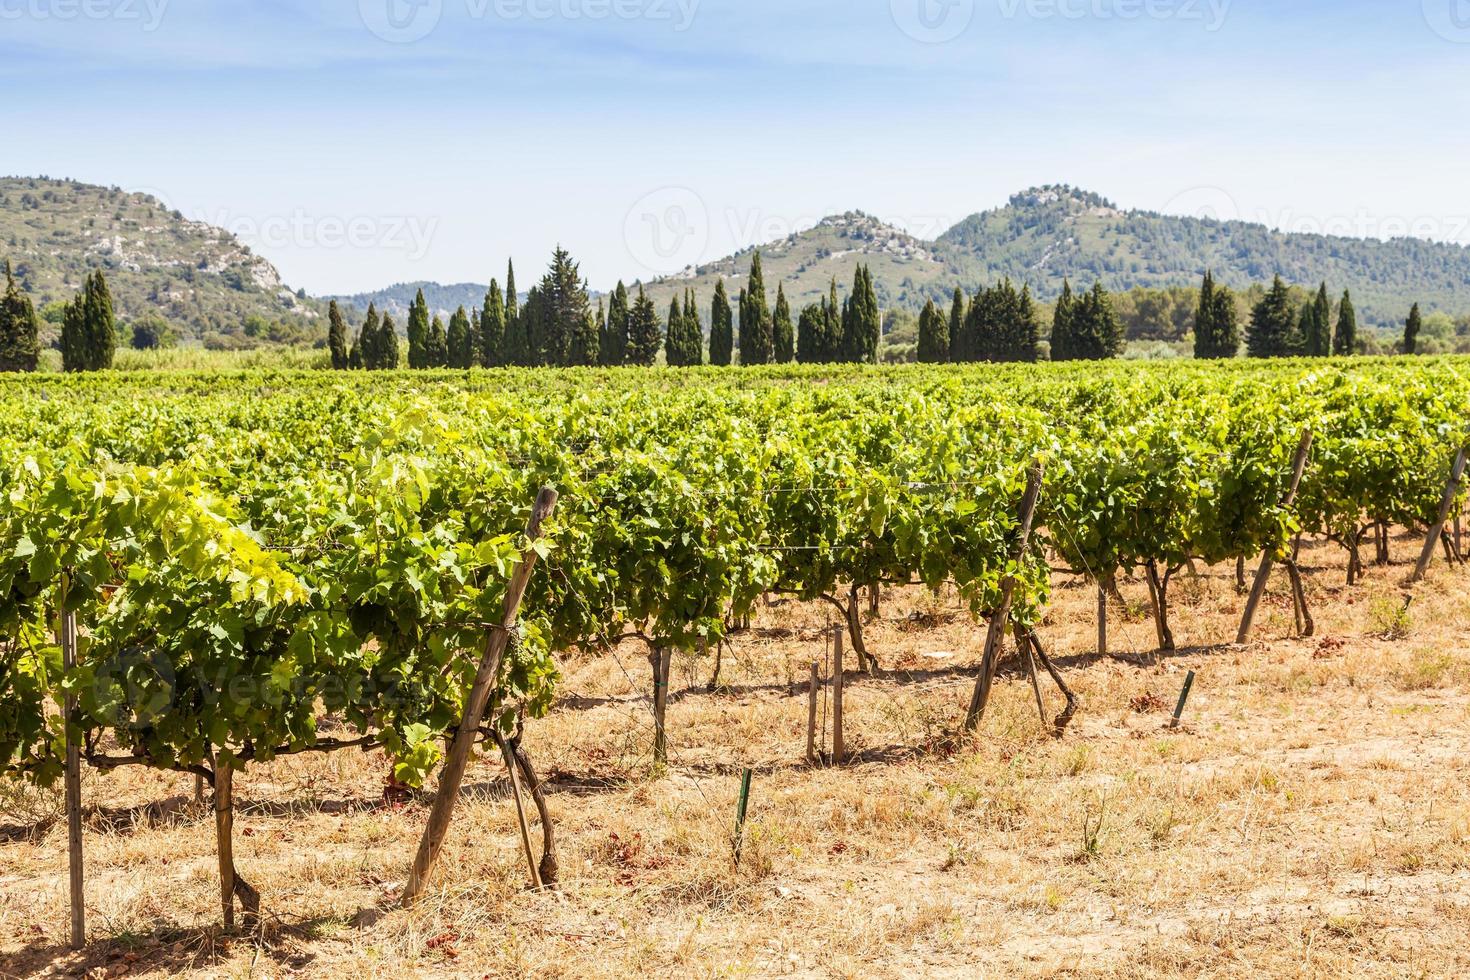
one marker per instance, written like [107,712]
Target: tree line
[557,327]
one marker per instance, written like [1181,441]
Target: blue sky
[357,143]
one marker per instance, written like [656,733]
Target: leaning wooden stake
[1258,590]
[811,716]
[839,751]
[73,789]
[1457,473]
[452,776]
[515,793]
[999,621]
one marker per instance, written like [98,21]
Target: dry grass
[1312,817]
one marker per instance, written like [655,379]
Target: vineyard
[206,574]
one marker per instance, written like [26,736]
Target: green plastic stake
[740,810]
[1183,700]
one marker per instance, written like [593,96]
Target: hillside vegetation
[200,278]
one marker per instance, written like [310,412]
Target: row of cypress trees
[556,327]
[1001,325]
[1277,329]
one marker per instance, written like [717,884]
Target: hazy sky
[357,143]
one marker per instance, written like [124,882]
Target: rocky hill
[199,277]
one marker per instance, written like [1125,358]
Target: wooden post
[661,658]
[742,809]
[515,793]
[811,716]
[73,785]
[839,752]
[1102,620]
[998,622]
[1263,577]
[452,776]
[1457,473]
[224,833]
[1183,700]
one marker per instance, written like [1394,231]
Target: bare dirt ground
[1311,818]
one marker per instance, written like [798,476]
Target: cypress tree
[602,338]
[832,334]
[418,333]
[337,337]
[757,346]
[74,336]
[492,328]
[1345,342]
[957,311]
[387,345]
[1064,326]
[360,354]
[1323,313]
[674,338]
[1272,331]
[1411,331]
[645,333]
[1205,337]
[460,352]
[783,334]
[513,345]
[586,340]
[811,331]
[436,350]
[101,329]
[614,346]
[721,328]
[1028,332]
[975,340]
[862,322]
[529,329]
[1306,330]
[694,330]
[933,335]
[19,348]
[1225,323]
